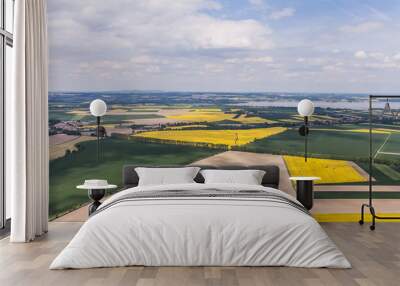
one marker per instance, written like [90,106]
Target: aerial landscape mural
[179,128]
[187,80]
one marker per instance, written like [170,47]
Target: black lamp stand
[303,131]
[98,138]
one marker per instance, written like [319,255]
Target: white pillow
[247,177]
[166,176]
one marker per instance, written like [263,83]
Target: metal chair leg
[361,221]
[372,210]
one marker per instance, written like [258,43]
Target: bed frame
[271,178]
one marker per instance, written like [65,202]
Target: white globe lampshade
[98,107]
[305,107]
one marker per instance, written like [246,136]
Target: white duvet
[200,231]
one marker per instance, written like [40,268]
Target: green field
[382,173]
[62,115]
[388,171]
[391,146]
[279,113]
[324,144]
[120,118]
[72,170]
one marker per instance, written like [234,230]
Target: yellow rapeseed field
[213,115]
[330,171]
[251,120]
[198,115]
[218,137]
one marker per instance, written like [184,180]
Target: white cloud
[208,44]
[204,32]
[376,60]
[335,67]
[153,69]
[291,74]
[284,13]
[396,57]
[382,65]
[364,27]
[256,2]
[377,55]
[162,25]
[214,68]
[312,61]
[374,56]
[147,59]
[151,37]
[265,59]
[360,55]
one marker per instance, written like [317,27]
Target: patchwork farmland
[170,128]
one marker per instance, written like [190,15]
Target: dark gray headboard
[271,177]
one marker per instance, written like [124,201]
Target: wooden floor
[375,257]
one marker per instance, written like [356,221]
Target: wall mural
[128,70]
[180,128]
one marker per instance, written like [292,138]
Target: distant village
[82,128]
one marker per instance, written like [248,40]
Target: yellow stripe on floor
[353,217]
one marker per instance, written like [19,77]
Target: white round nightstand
[95,193]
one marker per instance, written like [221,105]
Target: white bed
[202,231]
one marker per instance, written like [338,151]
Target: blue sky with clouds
[248,45]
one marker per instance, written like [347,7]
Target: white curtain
[28,123]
